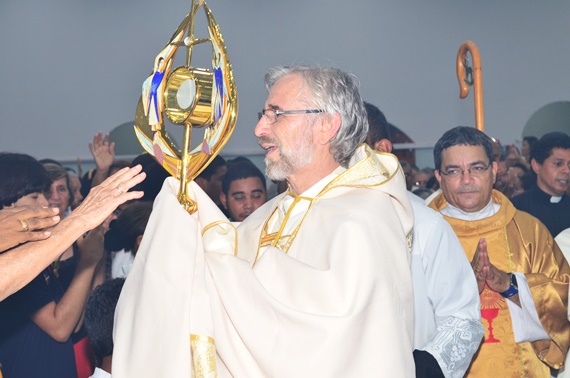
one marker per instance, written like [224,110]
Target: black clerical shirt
[555,216]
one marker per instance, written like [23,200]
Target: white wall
[71,68]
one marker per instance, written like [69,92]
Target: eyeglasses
[475,171]
[272,114]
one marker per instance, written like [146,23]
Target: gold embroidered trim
[213,224]
[216,223]
[369,171]
[509,254]
[410,240]
[277,239]
[203,351]
[511,267]
[296,200]
[265,237]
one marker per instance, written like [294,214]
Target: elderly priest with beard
[307,285]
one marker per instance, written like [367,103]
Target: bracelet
[513,289]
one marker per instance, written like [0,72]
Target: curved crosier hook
[477,81]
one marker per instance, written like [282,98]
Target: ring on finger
[25,225]
[119,190]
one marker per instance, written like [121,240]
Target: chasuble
[329,295]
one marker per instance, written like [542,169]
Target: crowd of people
[359,265]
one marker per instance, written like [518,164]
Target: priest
[521,273]
[314,283]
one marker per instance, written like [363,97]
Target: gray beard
[290,161]
[277,171]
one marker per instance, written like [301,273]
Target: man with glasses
[330,267]
[316,282]
[521,274]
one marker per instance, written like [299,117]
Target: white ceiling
[72,68]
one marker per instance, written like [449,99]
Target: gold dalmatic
[191,97]
[517,243]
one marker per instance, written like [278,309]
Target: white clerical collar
[555,199]
[544,195]
[455,212]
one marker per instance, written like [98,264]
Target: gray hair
[333,91]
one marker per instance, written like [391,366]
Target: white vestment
[447,315]
[563,241]
[99,373]
[334,300]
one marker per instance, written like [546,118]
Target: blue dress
[25,349]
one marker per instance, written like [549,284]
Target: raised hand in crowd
[103,153]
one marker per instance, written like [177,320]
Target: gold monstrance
[191,97]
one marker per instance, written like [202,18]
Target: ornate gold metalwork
[476,80]
[191,97]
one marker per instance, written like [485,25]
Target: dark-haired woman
[38,320]
[60,195]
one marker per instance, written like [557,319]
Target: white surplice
[447,317]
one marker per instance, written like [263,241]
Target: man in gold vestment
[521,273]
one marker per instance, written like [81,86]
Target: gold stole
[369,171]
[278,238]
